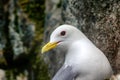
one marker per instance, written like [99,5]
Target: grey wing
[65,73]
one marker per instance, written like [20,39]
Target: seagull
[83,60]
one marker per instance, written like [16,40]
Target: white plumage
[83,61]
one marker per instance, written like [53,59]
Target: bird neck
[73,54]
[77,51]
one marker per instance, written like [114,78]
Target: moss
[41,71]
[35,11]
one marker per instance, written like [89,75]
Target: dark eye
[62,33]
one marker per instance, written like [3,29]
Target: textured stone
[16,32]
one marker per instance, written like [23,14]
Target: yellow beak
[49,46]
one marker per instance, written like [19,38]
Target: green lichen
[25,12]
[35,11]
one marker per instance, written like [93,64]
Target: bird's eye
[62,33]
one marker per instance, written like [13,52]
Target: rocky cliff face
[21,28]
[98,20]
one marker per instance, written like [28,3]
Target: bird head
[62,37]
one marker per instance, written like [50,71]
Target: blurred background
[25,26]
[21,36]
